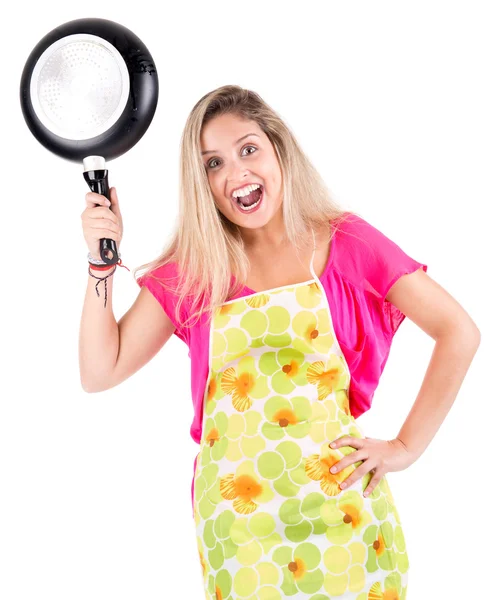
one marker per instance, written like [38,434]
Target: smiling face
[233,163]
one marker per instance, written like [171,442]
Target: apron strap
[313,255]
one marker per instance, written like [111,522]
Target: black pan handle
[98,182]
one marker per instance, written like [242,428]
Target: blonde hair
[207,248]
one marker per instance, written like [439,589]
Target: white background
[396,105]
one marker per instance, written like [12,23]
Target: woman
[289,306]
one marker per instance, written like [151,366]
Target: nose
[236,175]
[236,168]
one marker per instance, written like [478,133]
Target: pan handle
[98,182]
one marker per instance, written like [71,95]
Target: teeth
[249,207]
[246,190]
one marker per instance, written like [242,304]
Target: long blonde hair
[208,249]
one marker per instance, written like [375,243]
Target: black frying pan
[89,90]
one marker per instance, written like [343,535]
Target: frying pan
[88,92]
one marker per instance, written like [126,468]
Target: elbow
[476,337]
[89,389]
[466,333]
[472,334]
[472,341]
[473,338]
[100,386]
[91,384]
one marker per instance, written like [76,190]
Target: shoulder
[367,257]
[168,271]
[354,235]
[163,282]
[355,245]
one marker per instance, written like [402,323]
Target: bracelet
[99,266]
[99,280]
[94,261]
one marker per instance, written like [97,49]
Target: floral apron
[271,520]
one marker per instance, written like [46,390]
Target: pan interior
[79,86]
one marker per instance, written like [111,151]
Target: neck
[269,236]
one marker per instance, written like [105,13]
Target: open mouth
[251,201]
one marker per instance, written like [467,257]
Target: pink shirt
[360,270]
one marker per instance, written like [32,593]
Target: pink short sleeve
[167,298]
[374,262]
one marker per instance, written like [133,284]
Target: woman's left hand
[379,456]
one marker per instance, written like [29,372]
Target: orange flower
[291,369]
[376,593]
[203,563]
[242,489]
[217,593]
[239,388]
[212,387]
[212,436]
[284,417]
[318,468]
[297,568]
[327,378]
[379,545]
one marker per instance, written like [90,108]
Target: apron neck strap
[313,254]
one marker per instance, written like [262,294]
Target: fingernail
[332,445]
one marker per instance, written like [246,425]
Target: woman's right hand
[101,221]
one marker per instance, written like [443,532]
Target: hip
[258,472]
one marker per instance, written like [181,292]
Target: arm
[98,336]
[457,338]
[141,333]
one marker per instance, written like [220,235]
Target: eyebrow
[242,138]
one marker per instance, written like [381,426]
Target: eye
[251,147]
[210,163]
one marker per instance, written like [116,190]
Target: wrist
[100,271]
[98,261]
[401,444]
